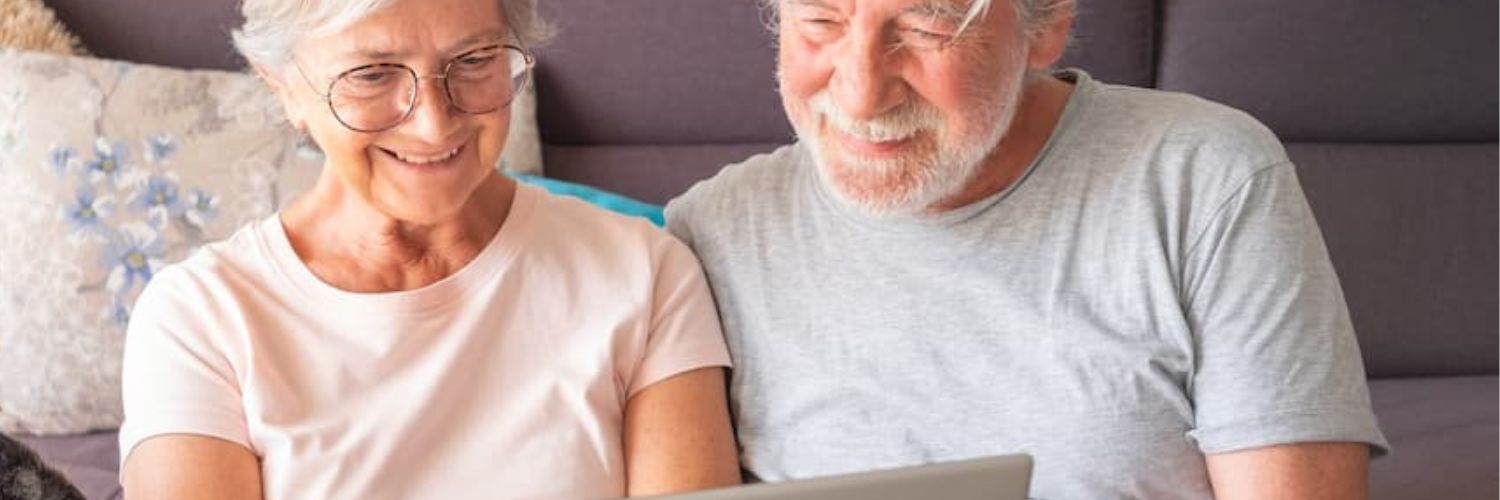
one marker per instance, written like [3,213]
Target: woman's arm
[677,435]
[183,466]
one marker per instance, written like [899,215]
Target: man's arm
[1326,471]
[677,435]
[182,466]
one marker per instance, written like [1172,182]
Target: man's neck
[1042,104]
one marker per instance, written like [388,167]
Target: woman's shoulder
[572,212]
[568,226]
[214,269]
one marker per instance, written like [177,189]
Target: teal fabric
[603,199]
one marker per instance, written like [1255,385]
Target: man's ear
[289,104]
[1049,40]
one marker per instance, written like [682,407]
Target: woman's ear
[289,103]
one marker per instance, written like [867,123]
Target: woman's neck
[351,245]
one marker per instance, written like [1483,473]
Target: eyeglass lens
[380,96]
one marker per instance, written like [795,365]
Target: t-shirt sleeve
[678,213]
[176,379]
[683,332]
[1278,361]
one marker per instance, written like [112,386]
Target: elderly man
[968,254]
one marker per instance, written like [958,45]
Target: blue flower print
[10,139]
[62,159]
[201,208]
[158,148]
[118,314]
[13,98]
[158,196]
[134,254]
[109,162]
[307,149]
[86,215]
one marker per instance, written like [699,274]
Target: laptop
[1005,477]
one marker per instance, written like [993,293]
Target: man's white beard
[912,183]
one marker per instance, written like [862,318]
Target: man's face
[897,111]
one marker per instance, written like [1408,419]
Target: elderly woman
[418,326]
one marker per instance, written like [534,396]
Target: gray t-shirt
[1154,288]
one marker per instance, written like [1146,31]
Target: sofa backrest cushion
[1340,70]
[708,97]
[694,72]
[1388,109]
[1411,229]
[179,33]
[658,72]
[1115,41]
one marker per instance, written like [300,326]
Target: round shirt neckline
[497,255]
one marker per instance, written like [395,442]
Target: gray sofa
[1388,108]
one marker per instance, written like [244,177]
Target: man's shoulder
[1185,125]
[763,180]
[1167,107]
[764,174]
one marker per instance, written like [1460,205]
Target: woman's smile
[426,160]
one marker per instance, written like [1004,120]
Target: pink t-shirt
[507,379]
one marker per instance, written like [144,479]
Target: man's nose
[865,84]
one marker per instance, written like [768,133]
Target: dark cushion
[1115,41]
[696,72]
[653,174]
[1341,70]
[1443,433]
[181,33]
[1411,230]
[658,72]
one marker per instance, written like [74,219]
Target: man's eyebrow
[816,4]
[938,10]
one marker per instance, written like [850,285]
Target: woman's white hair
[273,27]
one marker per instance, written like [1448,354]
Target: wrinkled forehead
[945,10]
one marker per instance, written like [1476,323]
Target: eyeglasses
[377,97]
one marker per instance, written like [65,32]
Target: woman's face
[425,167]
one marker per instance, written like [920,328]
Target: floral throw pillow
[523,142]
[109,171]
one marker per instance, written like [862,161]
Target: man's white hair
[273,27]
[1033,13]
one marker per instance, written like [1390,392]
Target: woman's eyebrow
[366,54]
[371,51]
[483,36]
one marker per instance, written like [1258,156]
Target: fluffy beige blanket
[30,25]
